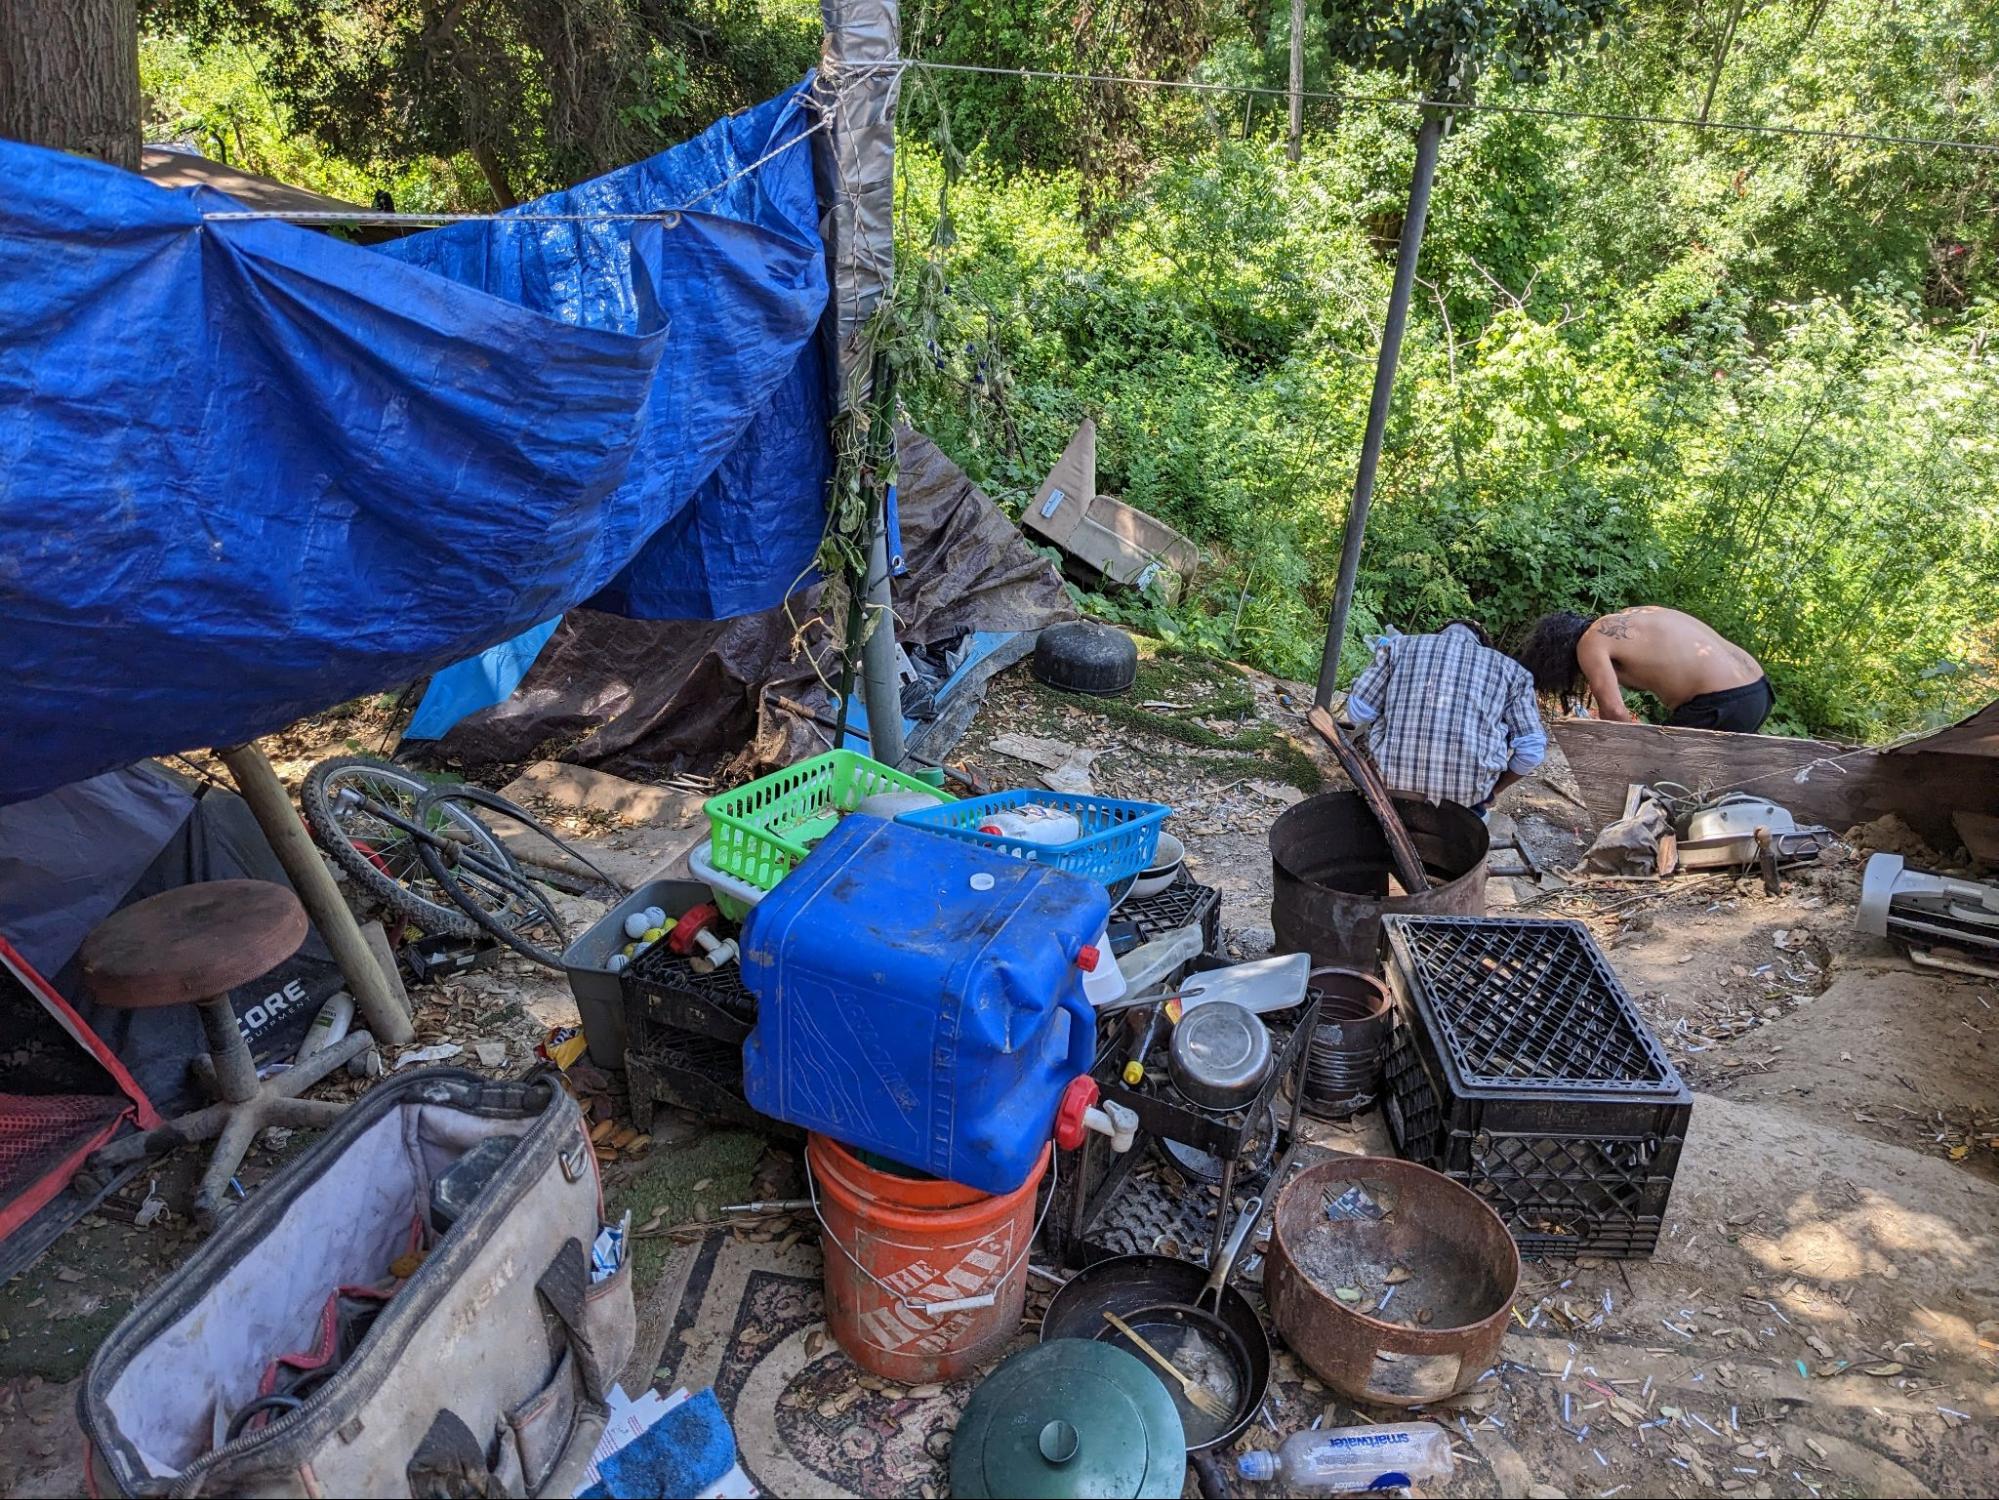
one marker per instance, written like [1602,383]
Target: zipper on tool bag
[187,1484]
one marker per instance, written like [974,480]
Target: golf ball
[655,916]
[618,963]
[637,923]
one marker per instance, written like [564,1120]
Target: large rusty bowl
[1437,1250]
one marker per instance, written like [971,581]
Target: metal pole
[881,679]
[1297,79]
[1427,139]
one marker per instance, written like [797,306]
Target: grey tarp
[639,697]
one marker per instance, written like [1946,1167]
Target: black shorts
[1737,710]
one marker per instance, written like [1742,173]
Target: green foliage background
[1750,375]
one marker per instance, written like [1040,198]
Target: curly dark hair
[1549,651]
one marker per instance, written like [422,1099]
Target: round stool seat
[191,944]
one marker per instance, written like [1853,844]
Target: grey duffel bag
[483,1353]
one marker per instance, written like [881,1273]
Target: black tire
[319,799]
[529,906]
[1083,656]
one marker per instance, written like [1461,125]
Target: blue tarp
[248,470]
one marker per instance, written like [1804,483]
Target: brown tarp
[642,698]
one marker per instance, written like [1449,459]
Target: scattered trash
[1337,1460]
[665,1445]
[1065,767]
[436,1052]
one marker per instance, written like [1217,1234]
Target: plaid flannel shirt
[1444,716]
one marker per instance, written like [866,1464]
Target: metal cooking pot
[1219,1056]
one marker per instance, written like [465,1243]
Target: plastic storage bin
[761,830]
[734,896]
[920,998]
[1119,838]
[600,996]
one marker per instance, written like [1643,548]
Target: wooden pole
[1380,801]
[272,806]
[1297,80]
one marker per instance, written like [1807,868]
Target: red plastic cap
[1077,1100]
[1086,958]
[680,939]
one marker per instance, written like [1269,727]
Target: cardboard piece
[1100,532]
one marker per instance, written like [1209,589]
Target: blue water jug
[919,996]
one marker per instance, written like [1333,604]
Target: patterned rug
[808,1421]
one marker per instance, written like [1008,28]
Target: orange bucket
[924,1278]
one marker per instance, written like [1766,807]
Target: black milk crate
[662,987]
[670,1065]
[1521,1068]
[1183,902]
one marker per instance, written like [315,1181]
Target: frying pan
[1160,1289]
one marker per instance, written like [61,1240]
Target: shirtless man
[1704,679]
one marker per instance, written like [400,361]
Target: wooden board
[1976,734]
[1924,789]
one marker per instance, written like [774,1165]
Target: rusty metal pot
[1330,866]
[1343,1058]
[1436,1248]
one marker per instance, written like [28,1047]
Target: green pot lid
[1071,1417]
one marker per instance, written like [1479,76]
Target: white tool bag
[471,1362]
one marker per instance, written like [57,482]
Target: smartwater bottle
[1335,1460]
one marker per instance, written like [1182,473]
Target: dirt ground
[1821,1317]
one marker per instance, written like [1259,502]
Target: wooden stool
[192,946]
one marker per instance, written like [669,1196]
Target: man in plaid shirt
[1446,717]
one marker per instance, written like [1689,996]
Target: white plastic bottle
[1035,823]
[1335,1460]
[329,1026]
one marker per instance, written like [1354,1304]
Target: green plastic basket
[761,830]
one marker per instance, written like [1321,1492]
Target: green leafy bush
[1815,476]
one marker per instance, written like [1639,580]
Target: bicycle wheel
[382,858]
[504,902]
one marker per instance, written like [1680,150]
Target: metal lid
[1220,1054]
[1070,1417]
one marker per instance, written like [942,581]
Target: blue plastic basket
[1118,839]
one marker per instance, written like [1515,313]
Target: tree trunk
[1428,138]
[495,174]
[1721,57]
[69,76]
[1297,122]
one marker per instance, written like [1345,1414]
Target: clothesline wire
[366,217]
[1458,106]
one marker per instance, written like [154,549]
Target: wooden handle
[1367,781]
[1137,1338]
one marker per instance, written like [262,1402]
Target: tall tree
[1442,48]
[539,93]
[69,76]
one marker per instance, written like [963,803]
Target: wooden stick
[1367,781]
[272,806]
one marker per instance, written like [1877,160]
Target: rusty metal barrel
[1330,874]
